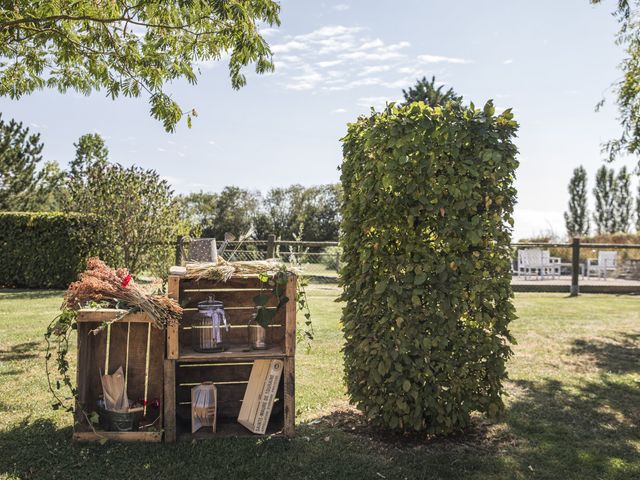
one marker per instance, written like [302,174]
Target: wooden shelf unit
[92,356]
[230,369]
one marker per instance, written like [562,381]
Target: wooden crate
[91,361]
[230,369]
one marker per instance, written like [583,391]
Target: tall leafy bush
[428,200]
[44,250]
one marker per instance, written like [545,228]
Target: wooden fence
[573,255]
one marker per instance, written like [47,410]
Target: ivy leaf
[261,299]
[381,286]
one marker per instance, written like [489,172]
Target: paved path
[562,284]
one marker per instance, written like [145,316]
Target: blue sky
[551,61]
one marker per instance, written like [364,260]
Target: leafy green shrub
[331,259]
[428,200]
[44,250]
[141,217]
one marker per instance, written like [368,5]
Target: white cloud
[340,110]
[374,69]
[372,44]
[160,149]
[441,59]
[211,142]
[339,57]
[329,31]
[375,102]
[289,46]
[341,7]
[329,63]
[508,61]
[374,55]
[269,32]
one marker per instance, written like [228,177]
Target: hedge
[44,250]
[428,202]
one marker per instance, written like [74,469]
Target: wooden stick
[146,370]
[126,361]
[106,355]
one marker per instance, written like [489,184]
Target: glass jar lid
[210,304]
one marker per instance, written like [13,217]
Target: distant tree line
[294,212]
[140,209]
[615,209]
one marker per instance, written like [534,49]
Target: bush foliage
[428,200]
[44,250]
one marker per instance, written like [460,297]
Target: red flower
[126,280]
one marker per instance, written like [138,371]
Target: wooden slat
[289,397]
[118,436]
[169,401]
[234,353]
[233,282]
[100,315]
[231,298]
[173,344]
[290,317]
[235,316]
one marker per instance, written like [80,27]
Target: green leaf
[261,299]
[489,109]
[381,286]
[406,385]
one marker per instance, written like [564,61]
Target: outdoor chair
[605,263]
[537,262]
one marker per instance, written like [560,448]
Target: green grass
[573,410]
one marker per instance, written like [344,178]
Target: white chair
[537,262]
[606,262]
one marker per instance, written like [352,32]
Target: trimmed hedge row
[44,250]
[428,200]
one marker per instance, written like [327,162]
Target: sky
[551,61]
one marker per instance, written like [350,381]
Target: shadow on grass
[20,351]
[618,355]
[550,431]
[19,294]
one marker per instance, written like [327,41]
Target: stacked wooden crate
[229,370]
[131,343]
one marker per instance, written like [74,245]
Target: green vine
[275,286]
[57,338]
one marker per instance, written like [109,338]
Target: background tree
[322,217]
[604,192]
[638,210]
[623,201]
[577,217]
[628,88]
[285,211]
[427,91]
[91,151]
[235,211]
[23,185]
[129,47]
[199,208]
[140,218]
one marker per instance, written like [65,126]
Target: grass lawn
[573,410]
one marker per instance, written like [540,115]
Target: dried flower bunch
[99,282]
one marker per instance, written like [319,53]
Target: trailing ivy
[428,202]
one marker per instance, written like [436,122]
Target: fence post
[179,243]
[338,261]
[575,267]
[271,246]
